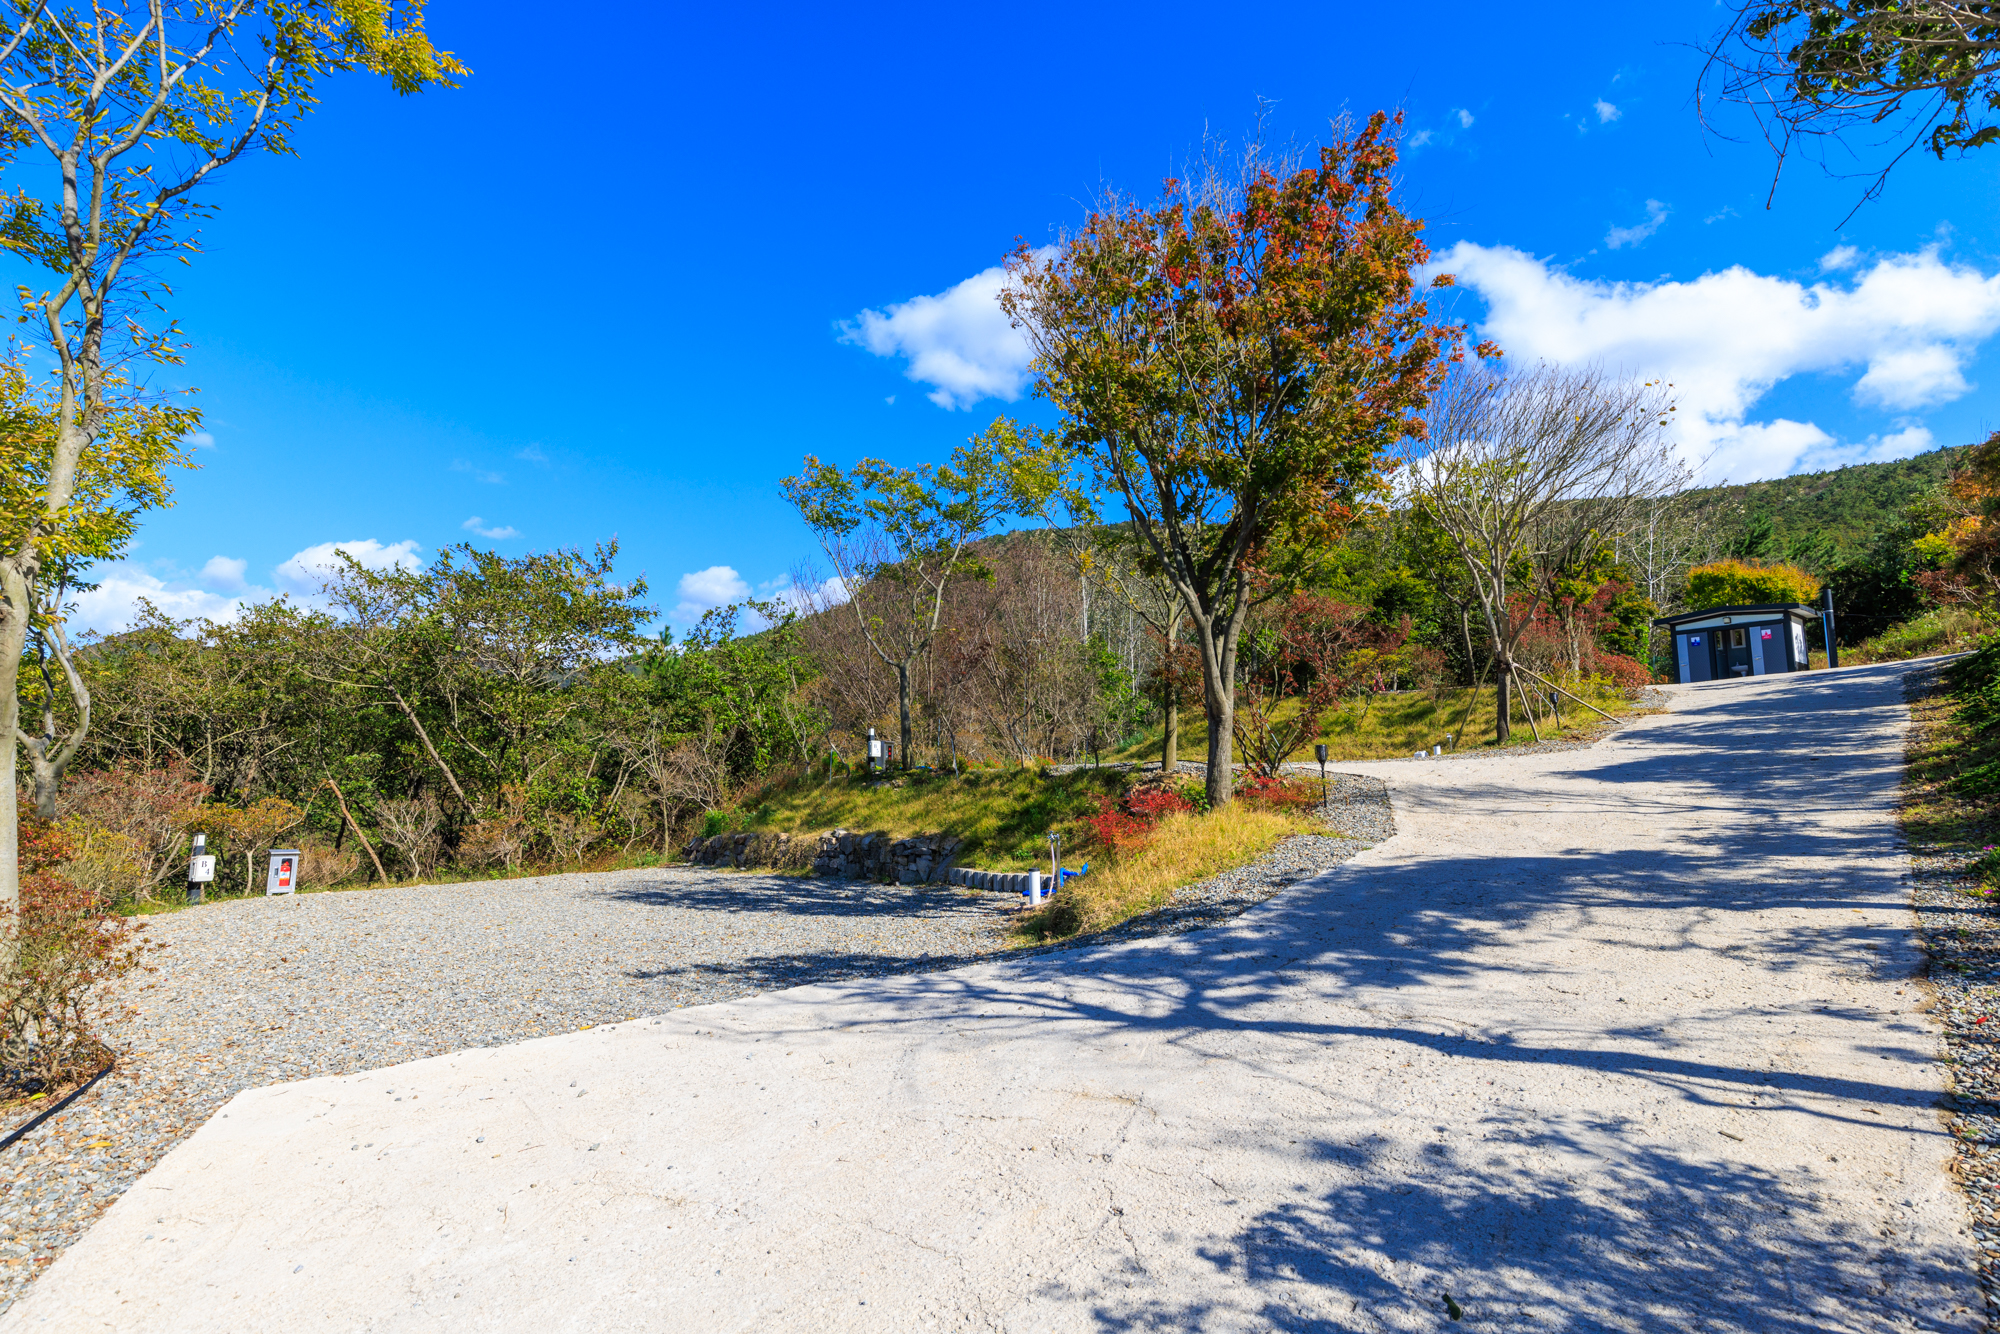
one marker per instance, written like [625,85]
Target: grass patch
[1940,630]
[1953,757]
[1003,814]
[1399,723]
[1181,850]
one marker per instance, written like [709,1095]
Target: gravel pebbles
[244,993]
[1961,936]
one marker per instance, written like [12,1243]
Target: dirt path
[1612,1039]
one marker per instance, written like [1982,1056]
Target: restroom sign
[284,874]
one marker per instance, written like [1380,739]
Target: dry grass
[1180,851]
[1392,725]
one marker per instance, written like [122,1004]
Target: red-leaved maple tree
[1235,363]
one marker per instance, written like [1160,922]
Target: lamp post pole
[1826,621]
[1319,753]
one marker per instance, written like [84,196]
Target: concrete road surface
[1613,1039]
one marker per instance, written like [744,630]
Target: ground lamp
[1319,753]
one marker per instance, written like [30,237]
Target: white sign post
[283,877]
[201,868]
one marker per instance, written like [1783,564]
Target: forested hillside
[1824,520]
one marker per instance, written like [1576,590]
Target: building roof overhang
[1767,611]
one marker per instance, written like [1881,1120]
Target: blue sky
[619,283]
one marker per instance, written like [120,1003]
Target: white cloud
[531,453]
[485,475]
[1420,138]
[224,572]
[716,586]
[1464,119]
[1909,322]
[309,569]
[202,440]
[1606,112]
[1839,259]
[1656,217]
[958,341]
[475,524]
[114,604]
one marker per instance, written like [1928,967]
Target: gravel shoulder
[248,993]
[1960,930]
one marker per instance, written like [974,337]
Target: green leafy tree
[898,537]
[1908,73]
[1236,362]
[112,115]
[108,490]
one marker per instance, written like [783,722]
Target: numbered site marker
[201,869]
[284,874]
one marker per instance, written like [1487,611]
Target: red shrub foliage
[1279,793]
[65,945]
[1625,672]
[1125,823]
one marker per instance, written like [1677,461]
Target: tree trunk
[48,754]
[1218,673]
[13,642]
[431,750]
[903,708]
[1505,702]
[1170,746]
[1221,727]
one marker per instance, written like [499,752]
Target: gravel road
[1620,1039]
[259,991]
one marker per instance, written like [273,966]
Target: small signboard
[284,874]
[201,870]
[874,749]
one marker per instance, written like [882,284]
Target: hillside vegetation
[1847,508]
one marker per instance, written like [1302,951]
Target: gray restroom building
[1721,643]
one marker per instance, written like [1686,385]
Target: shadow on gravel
[773,971]
[717,890]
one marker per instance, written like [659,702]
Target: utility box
[283,877]
[1724,643]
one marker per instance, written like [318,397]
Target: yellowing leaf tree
[112,115]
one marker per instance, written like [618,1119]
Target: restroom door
[1697,660]
[1733,652]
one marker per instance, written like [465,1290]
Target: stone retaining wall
[838,854]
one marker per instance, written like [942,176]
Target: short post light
[1319,753]
[201,868]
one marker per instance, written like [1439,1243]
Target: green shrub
[1742,583]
